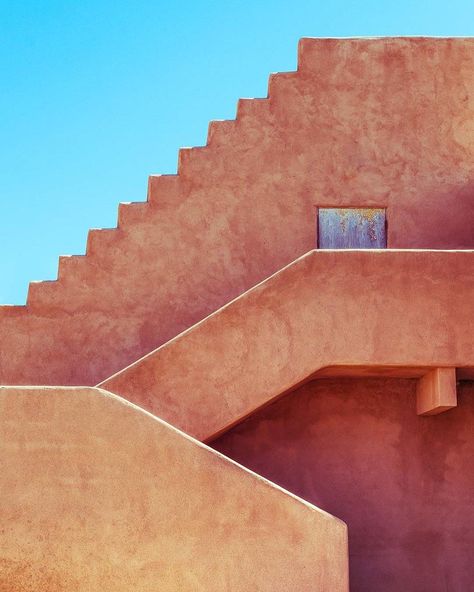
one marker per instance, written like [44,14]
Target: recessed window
[352,228]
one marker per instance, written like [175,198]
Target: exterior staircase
[346,128]
[208,302]
[400,316]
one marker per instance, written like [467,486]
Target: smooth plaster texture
[97,495]
[406,309]
[363,122]
[404,484]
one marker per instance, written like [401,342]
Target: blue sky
[96,95]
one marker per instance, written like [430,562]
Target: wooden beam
[436,391]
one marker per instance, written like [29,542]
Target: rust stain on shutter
[351,228]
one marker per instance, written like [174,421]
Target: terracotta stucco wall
[375,122]
[403,483]
[99,496]
[348,308]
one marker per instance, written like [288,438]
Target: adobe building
[266,370]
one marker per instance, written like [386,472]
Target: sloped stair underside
[403,311]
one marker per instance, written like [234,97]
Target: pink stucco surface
[403,483]
[98,495]
[362,122]
[408,310]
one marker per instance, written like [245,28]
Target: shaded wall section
[404,484]
[362,123]
[98,495]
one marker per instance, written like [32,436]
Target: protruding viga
[436,391]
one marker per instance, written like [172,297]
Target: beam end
[436,391]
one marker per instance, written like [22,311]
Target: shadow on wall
[402,483]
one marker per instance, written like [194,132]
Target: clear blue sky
[95,95]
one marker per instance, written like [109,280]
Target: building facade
[298,298]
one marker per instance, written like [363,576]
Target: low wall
[97,495]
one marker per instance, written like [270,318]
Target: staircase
[344,129]
[400,316]
[208,303]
